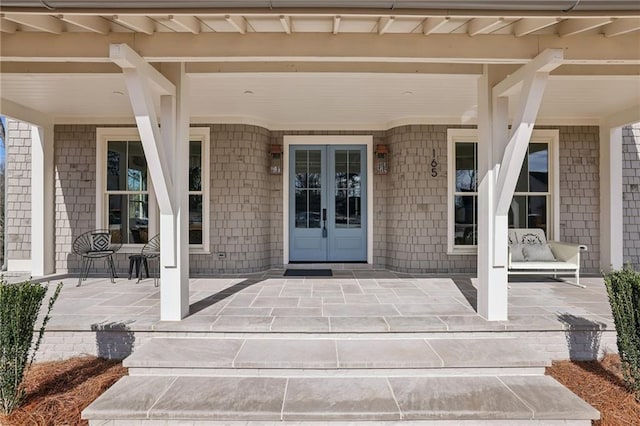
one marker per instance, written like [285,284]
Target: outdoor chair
[94,245]
[151,250]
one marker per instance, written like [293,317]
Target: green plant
[623,288]
[19,308]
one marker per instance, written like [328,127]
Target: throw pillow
[538,253]
[516,253]
[100,241]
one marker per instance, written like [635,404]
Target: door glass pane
[116,164]
[195,166]
[314,169]
[466,169]
[315,208]
[302,213]
[301,169]
[137,168]
[518,212]
[195,219]
[538,212]
[465,220]
[342,214]
[538,167]
[347,202]
[341,169]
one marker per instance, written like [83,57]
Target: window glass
[137,167]
[308,198]
[116,164]
[195,166]
[529,206]
[195,219]
[466,167]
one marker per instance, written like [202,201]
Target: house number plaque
[434,165]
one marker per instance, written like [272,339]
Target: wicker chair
[94,245]
[151,250]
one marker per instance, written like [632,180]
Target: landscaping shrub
[623,288]
[19,308]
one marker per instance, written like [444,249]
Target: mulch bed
[58,391]
[600,384]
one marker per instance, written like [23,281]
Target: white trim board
[326,140]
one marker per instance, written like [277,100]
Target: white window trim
[550,136]
[106,134]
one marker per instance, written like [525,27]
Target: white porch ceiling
[317,100]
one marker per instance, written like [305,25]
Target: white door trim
[326,140]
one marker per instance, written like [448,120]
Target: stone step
[265,400]
[331,357]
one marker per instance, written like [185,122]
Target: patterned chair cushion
[100,241]
[538,253]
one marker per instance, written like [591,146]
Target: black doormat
[308,273]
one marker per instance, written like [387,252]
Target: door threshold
[329,265]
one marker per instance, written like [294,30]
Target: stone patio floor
[350,301]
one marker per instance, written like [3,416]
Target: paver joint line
[533,413]
[160,396]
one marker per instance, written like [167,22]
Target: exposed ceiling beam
[431,25]
[286,23]
[45,23]
[187,23]
[384,23]
[141,24]
[89,23]
[530,25]
[7,26]
[589,49]
[237,22]
[622,26]
[571,27]
[484,25]
[336,24]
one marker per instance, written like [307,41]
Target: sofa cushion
[517,255]
[538,253]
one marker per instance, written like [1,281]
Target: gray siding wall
[18,169]
[631,194]
[410,206]
[580,191]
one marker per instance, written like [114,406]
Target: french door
[327,203]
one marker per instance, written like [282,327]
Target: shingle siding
[631,194]
[18,169]
[410,205]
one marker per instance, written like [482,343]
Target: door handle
[324,223]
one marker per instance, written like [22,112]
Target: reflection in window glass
[466,167]
[308,192]
[129,218]
[196,209]
[137,167]
[538,167]
[465,228]
[348,209]
[116,164]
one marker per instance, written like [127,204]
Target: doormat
[308,273]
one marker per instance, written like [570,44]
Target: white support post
[611,202]
[174,228]
[42,207]
[492,280]
[611,212]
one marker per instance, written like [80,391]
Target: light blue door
[327,204]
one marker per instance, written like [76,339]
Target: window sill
[137,248]
[466,252]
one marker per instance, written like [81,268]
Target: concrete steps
[265,380]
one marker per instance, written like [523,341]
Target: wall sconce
[275,166]
[382,160]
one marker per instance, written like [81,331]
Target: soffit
[317,100]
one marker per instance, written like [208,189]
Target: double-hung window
[533,204]
[126,202]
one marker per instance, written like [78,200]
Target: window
[533,201]
[127,192]
[126,203]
